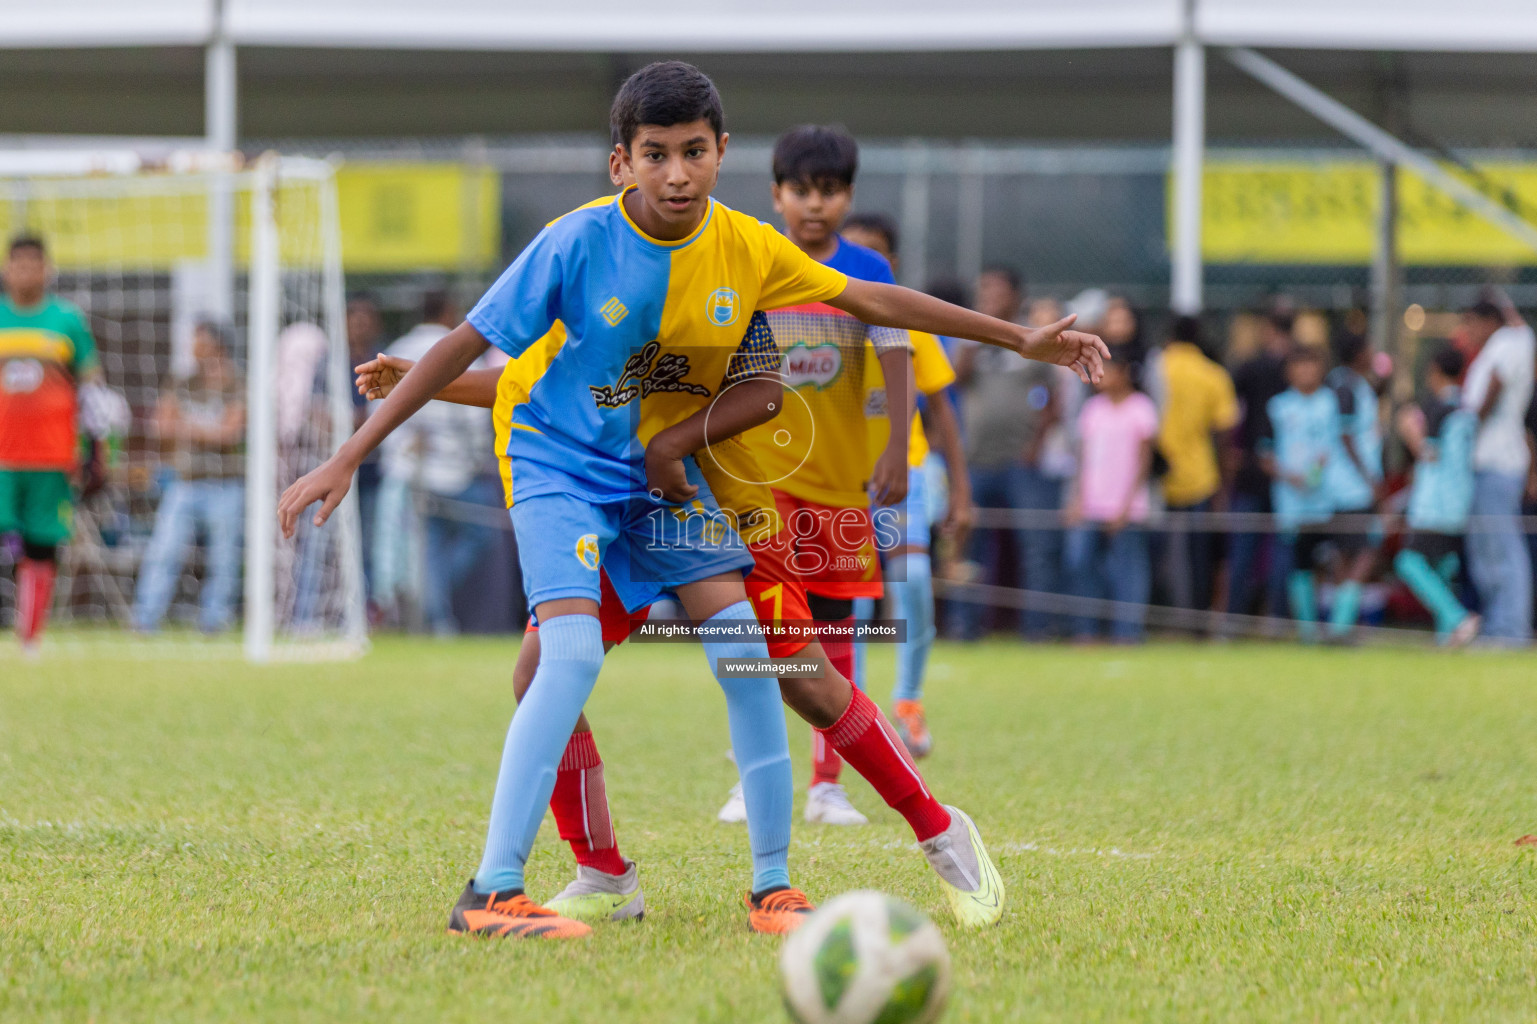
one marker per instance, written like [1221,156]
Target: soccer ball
[864,958]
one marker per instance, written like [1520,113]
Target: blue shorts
[907,524]
[648,549]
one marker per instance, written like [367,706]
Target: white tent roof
[745,25]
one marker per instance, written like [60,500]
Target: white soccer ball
[865,957]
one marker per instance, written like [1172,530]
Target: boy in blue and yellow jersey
[46,354]
[607,885]
[1304,427]
[1354,474]
[1439,433]
[652,287]
[909,571]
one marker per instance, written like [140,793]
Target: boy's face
[675,168]
[1306,375]
[813,211]
[26,272]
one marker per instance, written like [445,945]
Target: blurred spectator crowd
[1289,481]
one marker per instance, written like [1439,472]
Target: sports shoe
[777,912]
[509,914]
[598,896]
[828,804]
[734,811]
[912,729]
[970,881]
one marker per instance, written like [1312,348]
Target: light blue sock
[570,657]
[1347,608]
[1431,588]
[762,750]
[1304,603]
[864,611]
[914,598]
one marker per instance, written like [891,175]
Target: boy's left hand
[1054,343]
[665,475]
[378,377]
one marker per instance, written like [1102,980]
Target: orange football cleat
[777,913]
[511,916]
[912,728]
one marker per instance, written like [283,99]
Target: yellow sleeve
[790,277]
[930,367]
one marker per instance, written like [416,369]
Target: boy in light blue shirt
[1354,474]
[1439,433]
[1304,433]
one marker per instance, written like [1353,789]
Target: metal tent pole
[1189,157]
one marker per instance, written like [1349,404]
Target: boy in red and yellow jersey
[814,453]
[46,353]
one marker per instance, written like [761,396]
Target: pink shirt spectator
[1111,437]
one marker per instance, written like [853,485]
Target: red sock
[826,765]
[868,742]
[580,803]
[34,593]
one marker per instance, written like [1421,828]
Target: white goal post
[133,244]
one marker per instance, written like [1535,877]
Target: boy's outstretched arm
[738,408]
[378,377]
[889,305]
[328,483]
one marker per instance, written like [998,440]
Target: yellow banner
[418,216]
[394,217]
[1311,212]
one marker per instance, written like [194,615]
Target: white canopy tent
[844,26]
[744,25]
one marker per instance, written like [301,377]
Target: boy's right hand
[666,477]
[378,377]
[327,483]
[1054,343]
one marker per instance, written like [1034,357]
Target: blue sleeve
[524,303]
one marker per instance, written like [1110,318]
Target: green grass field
[1187,833]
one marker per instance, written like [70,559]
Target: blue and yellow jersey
[648,334]
[816,449]
[1304,434]
[1358,420]
[728,467]
[1442,493]
[932,373]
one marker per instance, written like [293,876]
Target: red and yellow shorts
[831,550]
[616,623]
[777,596]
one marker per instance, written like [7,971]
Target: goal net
[215,296]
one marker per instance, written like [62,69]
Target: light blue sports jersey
[1304,434]
[1358,421]
[1442,494]
[650,328]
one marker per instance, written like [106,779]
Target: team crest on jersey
[646,374]
[816,365]
[723,306]
[22,376]
[587,550]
